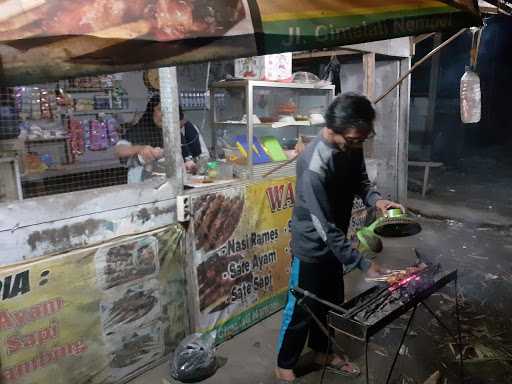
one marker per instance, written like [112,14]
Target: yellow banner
[242,254]
[93,316]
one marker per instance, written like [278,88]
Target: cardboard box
[276,67]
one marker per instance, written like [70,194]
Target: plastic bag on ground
[194,359]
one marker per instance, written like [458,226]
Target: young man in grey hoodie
[331,171]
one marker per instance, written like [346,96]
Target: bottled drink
[470,97]
[192,99]
[196,98]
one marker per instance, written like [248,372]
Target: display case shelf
[98,111]
[264,145]
[88,90]
[277,124]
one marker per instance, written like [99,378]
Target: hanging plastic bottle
[470,97]
[470,92]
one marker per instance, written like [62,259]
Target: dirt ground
[479,181]
[482,256]
[467,225]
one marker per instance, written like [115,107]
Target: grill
[371,311]
[374,309]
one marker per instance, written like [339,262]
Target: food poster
[45,40]
[50,324]
[96,315]
[242,254]
[57,39]
[357,220]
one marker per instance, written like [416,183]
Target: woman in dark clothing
[192,144]
[143,143]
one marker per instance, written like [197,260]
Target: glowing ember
[404,282]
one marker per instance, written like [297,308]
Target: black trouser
[325,280]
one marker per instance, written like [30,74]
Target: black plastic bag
[194,358]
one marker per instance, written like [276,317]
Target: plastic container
[213,170]
[470,97]
[305,78]
[225,170]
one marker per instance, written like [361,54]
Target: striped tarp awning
[42,40]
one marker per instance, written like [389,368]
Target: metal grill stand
[339,315]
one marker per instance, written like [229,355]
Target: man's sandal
[346,369]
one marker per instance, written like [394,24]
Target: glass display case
[257,124]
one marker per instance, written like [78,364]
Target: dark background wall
[495,69]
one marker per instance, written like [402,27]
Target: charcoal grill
[368,313]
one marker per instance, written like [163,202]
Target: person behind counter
[192,144]
[143,143]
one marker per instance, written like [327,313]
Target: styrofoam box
[276,67]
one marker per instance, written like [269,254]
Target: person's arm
[321,215]
[204,149]
[188,159]
[124,150]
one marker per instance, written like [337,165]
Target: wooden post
[369,91]
[432,94]
[403,132]
[369,75]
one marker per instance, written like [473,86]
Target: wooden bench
[427,165]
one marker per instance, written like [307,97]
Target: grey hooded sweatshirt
[328,179]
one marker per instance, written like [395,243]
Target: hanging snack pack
[112,130]
[76,137]
[102,134]
[98,137]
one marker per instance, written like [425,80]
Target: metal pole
[304,293]
[320,324]
[421,61]
[366,368]
[404,335]
[169,103]
[459,332]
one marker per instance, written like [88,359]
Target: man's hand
[299,147]
[375,270]
[384,205]
[158,153]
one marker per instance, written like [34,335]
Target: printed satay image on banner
[96,315]
[65,39]
[241,241]
[123,19]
